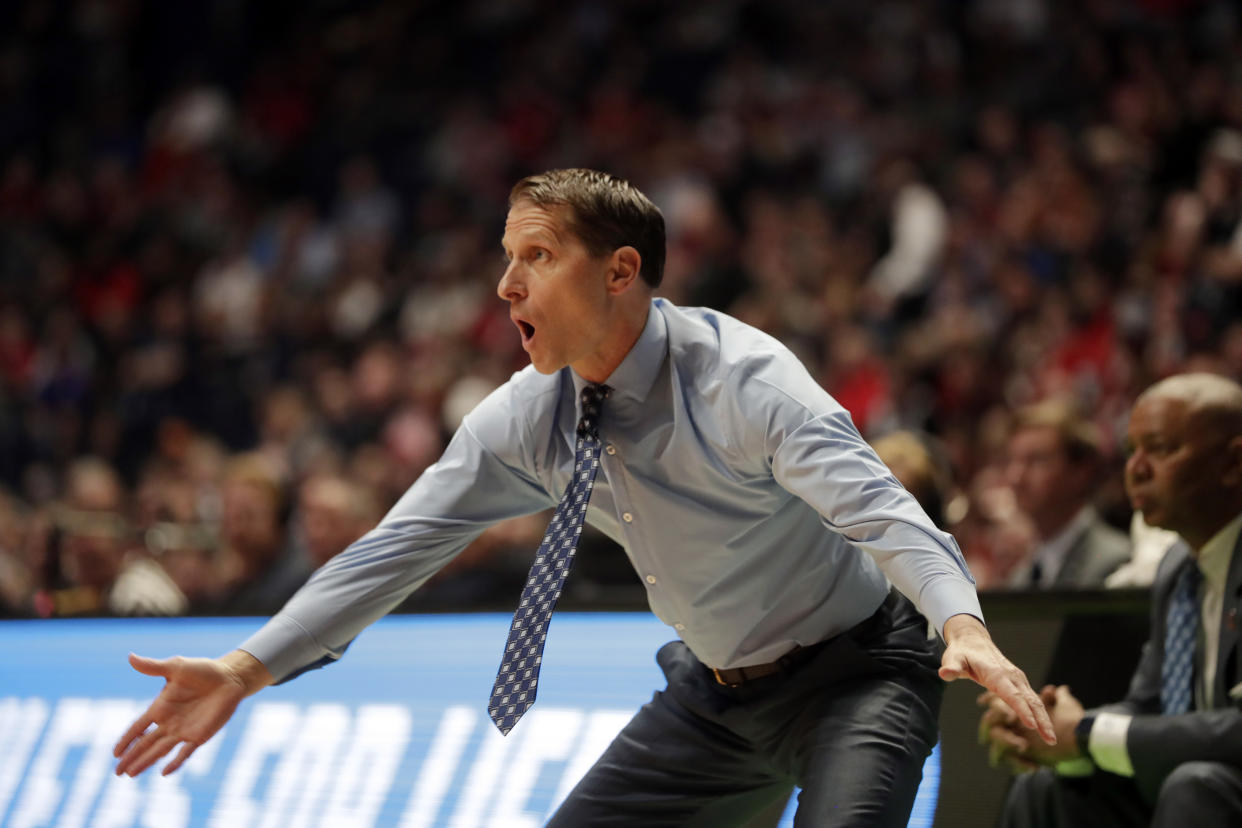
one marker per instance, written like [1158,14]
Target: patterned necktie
[514,690]
[1180,636]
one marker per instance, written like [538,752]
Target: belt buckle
[721,680]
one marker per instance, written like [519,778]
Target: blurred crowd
[248,254]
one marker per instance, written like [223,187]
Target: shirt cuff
[1107,743]
[947,597]
[284,647]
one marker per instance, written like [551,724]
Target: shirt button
[679,626]
[627,517]
[651,579]
[610,448]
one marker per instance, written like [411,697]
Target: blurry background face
[250,523]
[193,570]
[1037,469]
[334,513]
[92,559]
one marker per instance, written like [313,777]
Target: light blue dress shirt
[753,511]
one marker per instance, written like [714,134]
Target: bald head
[1184,471]
[1203,393]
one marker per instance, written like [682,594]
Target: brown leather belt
[737,676]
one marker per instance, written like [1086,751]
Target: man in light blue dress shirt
[765,529]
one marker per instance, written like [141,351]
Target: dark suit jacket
[1158,743]
[1093,557]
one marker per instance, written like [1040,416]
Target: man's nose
[509,286]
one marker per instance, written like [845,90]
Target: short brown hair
[607,212]
[1079,437]
[255,470]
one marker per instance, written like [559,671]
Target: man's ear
[1233,467]
[624,269]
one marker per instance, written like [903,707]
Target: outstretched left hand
[972,654]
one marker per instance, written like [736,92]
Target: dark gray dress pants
[1195,794]
[851,725]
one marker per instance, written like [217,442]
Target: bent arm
[825,461]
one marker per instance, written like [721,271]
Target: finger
[995,754]
[186,750]
[985,698]
[1032,712]
[1009,740]
[1043,723]
[985,730]
[1015,691]
[1048,694]
[1000,709]
[997,713]
[152,754]
[999,716]
[139,727]
[149,666]
[132,753]
[953,668]
[1002,747]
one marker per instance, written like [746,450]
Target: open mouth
[527,331]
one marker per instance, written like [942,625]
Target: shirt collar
[1216,554]
[638,371]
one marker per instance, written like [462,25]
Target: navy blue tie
[1181,633]
[516,683]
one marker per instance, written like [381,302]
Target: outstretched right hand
[199,696]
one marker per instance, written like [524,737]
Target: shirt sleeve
[471,487]
[818,455]
[1107,743]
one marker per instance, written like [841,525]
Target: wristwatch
[1082,733]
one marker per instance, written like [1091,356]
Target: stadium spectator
[260,568]
[16,563]
[915,464]
[94,564]
[333,512]
[1054,467]
[939,225]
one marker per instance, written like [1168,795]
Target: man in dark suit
[1170,753]
[1053,467]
